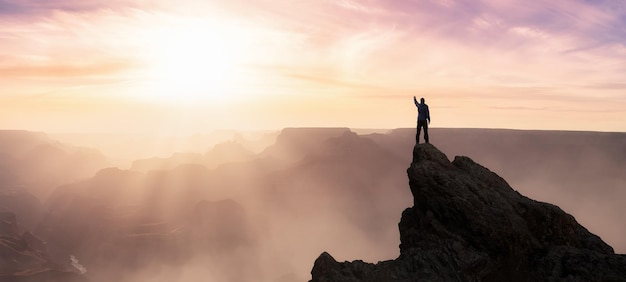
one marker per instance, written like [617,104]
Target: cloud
[379,36]
[26,9]
[365,38]
[65,70]
[505,52]
[608,86]
[64,45]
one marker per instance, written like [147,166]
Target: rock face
[468,224]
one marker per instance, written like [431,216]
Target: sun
[195,62]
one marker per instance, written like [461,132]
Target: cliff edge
[468,224]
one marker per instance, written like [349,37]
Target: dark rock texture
[468,224]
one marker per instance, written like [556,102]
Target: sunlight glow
[195,61]
[71,65]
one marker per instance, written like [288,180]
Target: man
[423,119]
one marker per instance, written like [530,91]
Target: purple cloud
[26,9]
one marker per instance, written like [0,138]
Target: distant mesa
[468,224]
[222,153]
[292,142]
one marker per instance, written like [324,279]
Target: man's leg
[426,131]
[419,129]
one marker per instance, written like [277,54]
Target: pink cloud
[500,52]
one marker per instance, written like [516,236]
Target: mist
[261,206]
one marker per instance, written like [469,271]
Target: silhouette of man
[423,119]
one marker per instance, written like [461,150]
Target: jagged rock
[468,224]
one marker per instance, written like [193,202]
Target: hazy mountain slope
[297,198]
[294,143]
[279,192]
[348,189]
[32,161]
[120,222]
[222,153]
[24,205]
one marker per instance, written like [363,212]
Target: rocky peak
[468,224]
[468,199]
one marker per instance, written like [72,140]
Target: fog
[123,149]
[261,206]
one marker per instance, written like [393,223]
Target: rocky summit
[468,224]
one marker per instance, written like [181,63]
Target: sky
[195,66]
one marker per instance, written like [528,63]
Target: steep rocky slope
[468,224]
[25,258]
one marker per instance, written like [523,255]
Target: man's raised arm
[415,101]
